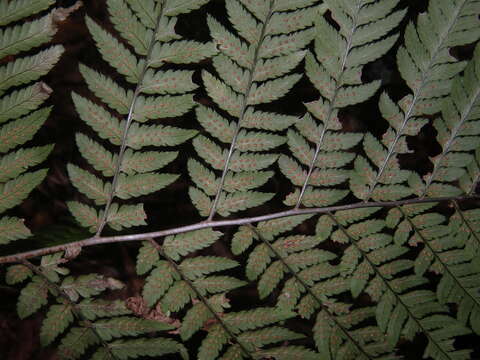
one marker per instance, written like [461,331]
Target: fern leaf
[122,326]
[199,314]
[15,191]
[89,184]
[15,10]
[158,282]
[116,54]
[142,184]
[27,69]
[335,71]
[266,336]
[86,215]
[177,297]
[128,349]
[22,130]
[249,77]
[17,274]
[126,216]
[26,36]
[76,342]
[427,72]
[99,119]
[21,102]
[147,258]
[230,203]
[203,265]
[127,24]
[168,82]
[287,352]
[148,135]
[162,107]
[184,244]
[93,309]
[15,163]
[107,90]
[213,343]
[218,284]
[59,317]
[12,228]
[88,285]
[181,52]
[32,297]
[148,30]
[458,114]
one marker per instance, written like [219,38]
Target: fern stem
[388,286]
[466,221]
[220,223]
[230,333]
[416,95]
[309,290]
[331,108]
[446,148]
[128,122]
[437,258]
[75,310]
[242,113]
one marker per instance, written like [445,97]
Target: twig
[220,223]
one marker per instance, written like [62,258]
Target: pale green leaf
[107,90]
[106,126]
[168,82]
[181,52]
[58,318]
[143,162]
[128,26]
[15,191]
[126,216]
[100,158]
[88,184]
[225,97]
[22,130]
[127,326]
[116,54]
[87,216]
[27,69]
[15,163]
[158,282]
[272,90]
[156,135]
[160,107]
[177,7]
[176,246]
[230,203]
[32,297]
[147,258]
[26,36]
[15,10]
[21,102]
[17,273]
[129,186]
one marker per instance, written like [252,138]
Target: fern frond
[26,101]
[428,68]
[448,250]
[310,272]
[335,70]
[174,285]
[254,67]
[132,173]
[460,116]
[372,264]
